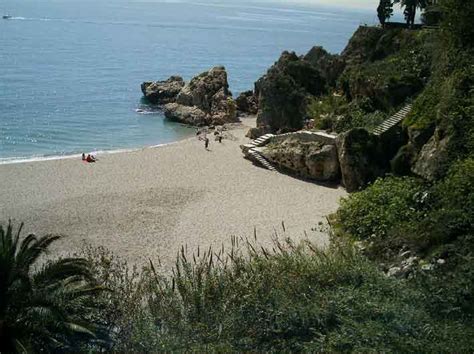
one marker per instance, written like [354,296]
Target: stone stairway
[257,156]
[393,120]
[251,151]
[263,140]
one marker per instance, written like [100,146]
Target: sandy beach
[147,203]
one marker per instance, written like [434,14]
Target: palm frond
[32,248]
[48,309]
[63,269]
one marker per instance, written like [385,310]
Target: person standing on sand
[206,143]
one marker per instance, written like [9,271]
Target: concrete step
[263,161]
[393,120]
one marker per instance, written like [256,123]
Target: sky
[362,4]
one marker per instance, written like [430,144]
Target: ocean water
[70,70]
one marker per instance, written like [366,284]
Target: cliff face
[377,71]
[282,93]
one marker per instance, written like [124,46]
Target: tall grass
[285,298]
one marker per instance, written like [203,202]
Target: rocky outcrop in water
[162,92]
[205,100]
[191,115]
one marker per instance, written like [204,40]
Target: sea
[70,70]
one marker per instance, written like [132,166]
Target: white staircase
[257,156]
[393,120]
[253,154]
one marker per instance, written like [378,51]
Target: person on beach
[90,158]
[206,143]
[83,157]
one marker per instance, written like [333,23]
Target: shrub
[373,212]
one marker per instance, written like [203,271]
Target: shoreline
[147,203]
[31,159]
[17,160]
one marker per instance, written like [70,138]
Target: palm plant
[46,307]
[410,9]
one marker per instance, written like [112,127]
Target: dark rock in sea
[205,100]
[200,90]
[247,103]
[162,92]
[361,158]
[186,114]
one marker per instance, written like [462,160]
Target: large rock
[361,158]
[247,102]
[308,159]
[362,45]
[433,159]
[205,100]
[283,92]
[200,90]
[330,66]
[162,92]
[186,114]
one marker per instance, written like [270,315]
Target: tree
[43,308]
[410,9]
[384,11]
[457,23]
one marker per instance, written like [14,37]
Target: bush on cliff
[335,113]
[389,81]
[372,213]
[433,221]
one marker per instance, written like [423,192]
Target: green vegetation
[290,298]
[433,222]
[395,65]
[371,214]
[410,9]
[43,308]
[335,113]
[384,11]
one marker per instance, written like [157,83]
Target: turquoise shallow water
[70,71]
